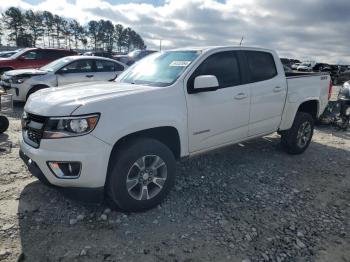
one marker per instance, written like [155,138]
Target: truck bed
[303,87]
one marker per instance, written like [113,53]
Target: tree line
[32,28]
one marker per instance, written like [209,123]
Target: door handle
[241,96]
[89,76]
[277,89]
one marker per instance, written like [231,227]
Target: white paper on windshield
[180,63]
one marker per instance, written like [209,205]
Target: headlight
[59,127]
[19,80]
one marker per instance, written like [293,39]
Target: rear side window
[105,66]
[223,65]
[53,54]
[261,66]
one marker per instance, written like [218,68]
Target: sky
[308,30]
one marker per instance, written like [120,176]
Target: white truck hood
[63,101]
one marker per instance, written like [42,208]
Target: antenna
[240,43]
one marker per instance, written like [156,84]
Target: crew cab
[22,83]
[123,137]
[32,58]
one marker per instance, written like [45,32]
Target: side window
[31,55]
[53,55]
[105,66]
[261,65]
[81,66]
[223,65]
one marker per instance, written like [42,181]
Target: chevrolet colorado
[123,137]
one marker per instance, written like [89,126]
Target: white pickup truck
[123,137]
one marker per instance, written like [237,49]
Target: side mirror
[205,83]
[22,58]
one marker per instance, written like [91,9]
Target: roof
[212,48]
[78,57]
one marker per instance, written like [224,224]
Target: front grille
[33,129]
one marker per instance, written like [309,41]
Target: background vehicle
[6,105]
[344,75]
[321,67]
[32,58]
[6,54]
[295,66]
[306,66]
[72,69]
[123,137]
[134,56]
[99,53]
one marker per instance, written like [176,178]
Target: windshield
[57,64]
[134,53]
[19,53]
[159,69]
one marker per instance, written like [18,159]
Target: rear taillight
[330,89]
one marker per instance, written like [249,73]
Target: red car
[32,58]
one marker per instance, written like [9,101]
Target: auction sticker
[180,63]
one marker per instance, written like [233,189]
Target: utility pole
[240,43]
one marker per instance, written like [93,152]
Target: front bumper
[92,153]
[95,195]
[17,92]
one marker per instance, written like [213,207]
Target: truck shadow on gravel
[246,201]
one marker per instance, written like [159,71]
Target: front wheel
[297,139]
[141,176]
[4,124]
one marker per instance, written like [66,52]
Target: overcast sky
[304,29]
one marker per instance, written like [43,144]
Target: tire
[297,139]
[4,124]
[127,165]
[34,89]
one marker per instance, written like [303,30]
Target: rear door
[268,91]
[77,71]
[218,117]
[107,70]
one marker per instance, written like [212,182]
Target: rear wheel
[297,139]
[142,174]
[4,124]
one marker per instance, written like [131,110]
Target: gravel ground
[249,202]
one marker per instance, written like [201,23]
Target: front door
[76,72]
[218,117]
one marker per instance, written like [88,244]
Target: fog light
[65,169]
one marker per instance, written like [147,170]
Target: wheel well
[35,88]
[167,135]
[310,107]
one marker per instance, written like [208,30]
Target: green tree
[57,23]
[48,21]
[14,21]
[93,28]
[34,24]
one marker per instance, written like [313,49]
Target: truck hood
[63,101]
[25,72]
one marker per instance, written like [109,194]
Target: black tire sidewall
[289,139]
[4,124]
[124,159]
